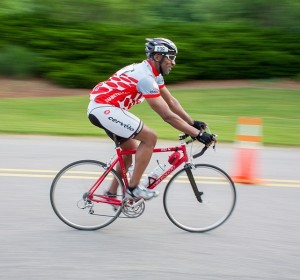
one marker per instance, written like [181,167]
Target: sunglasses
[170,57]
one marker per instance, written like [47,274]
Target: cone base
[244,180]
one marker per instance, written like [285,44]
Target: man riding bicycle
[110,101]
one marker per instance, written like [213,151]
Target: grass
[220,108]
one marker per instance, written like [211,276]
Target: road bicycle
[198,198]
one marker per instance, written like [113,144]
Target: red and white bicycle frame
[115,201]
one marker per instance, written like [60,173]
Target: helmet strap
[160,62]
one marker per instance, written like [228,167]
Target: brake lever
[215,141]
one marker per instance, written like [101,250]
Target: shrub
[81,54]
[16,61]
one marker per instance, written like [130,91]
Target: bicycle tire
[69,188]
[218,198]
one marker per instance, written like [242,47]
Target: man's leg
[143,155]
[130,144]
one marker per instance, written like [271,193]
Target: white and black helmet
[161,46]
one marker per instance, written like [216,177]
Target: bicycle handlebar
[201,152]
[184,136]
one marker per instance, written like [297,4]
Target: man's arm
[175,106]
[160,106]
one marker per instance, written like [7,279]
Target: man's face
[167,63]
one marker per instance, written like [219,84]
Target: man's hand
[200,125]
[205,138]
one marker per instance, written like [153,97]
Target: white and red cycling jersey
[129,86]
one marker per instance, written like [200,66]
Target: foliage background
[77,43]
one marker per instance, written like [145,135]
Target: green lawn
[220,108]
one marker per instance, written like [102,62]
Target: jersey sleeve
[148,87]
[160,81]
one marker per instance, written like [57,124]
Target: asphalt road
[260,241]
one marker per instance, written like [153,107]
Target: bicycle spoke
[200,198]
[70,191]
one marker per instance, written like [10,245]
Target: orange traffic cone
[247,159]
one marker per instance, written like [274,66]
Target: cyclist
[110,101]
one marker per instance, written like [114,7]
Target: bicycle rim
[218,198]
[68,190]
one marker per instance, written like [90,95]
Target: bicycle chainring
[133,208]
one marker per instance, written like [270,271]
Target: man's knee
[150,139]
[147,136]
[153,139]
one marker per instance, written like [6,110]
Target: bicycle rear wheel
[214,187]
[69,190]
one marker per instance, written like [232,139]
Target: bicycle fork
[188,170]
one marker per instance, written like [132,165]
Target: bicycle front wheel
[70,188]
[199,198]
